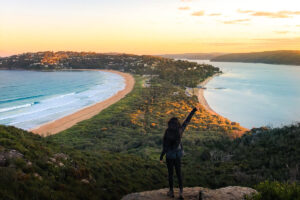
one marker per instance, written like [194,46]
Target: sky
[149,26]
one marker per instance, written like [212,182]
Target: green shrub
[277,191]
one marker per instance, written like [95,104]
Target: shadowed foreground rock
[196,193]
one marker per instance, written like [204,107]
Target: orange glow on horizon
[151,27]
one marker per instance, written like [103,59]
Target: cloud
[184,8]
[199,13]
[291,12]
[271,14]
[279,14]
[237,21]
[281,32]
[215,14]
[245,11]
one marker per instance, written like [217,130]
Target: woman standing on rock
[172,147]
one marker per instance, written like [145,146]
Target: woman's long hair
[172,134]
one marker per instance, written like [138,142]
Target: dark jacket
[167,146]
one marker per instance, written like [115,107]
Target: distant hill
[204,56]
[288,57]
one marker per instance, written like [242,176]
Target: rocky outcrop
[12,154]
[196,193]
[61,156]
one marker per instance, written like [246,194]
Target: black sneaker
[170,194]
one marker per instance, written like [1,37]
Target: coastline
[88,112]
[201,97]
[205,104]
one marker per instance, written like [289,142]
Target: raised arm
[188,119]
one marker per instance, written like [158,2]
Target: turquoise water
[29,98]
[255,94]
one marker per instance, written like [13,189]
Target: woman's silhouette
[172,147]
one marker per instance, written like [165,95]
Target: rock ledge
[196,193]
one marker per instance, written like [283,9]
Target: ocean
[255,95]
[29,99]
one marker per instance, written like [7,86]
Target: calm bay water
[255,94]
[30,98]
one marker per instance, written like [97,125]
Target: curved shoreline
[68,121]
[204,103]
[201,97]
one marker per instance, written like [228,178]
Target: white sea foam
[52,107]
[15,107]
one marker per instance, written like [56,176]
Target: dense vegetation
[277,191]
[117,151]
[262,154]
[33,168]
[269,57]
[44,167]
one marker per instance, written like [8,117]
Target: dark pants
[171,163]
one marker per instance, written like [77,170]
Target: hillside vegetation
[287,57]
[36,168]
[31,167]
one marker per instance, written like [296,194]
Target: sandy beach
[87,112]
[201,97]
[204,103]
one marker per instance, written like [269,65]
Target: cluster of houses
[63,59]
